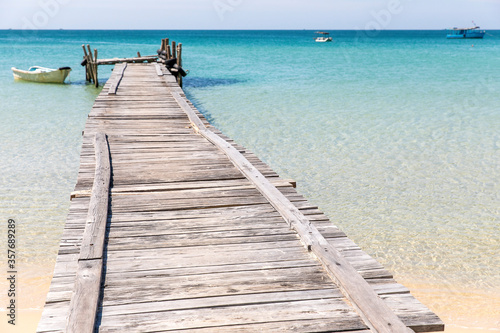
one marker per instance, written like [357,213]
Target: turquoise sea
[395,135]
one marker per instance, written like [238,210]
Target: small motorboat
[473,32]
[322,37]
[42,74]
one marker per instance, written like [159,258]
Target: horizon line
[240,29]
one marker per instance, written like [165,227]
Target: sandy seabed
[26,322]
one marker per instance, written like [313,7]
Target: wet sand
[26,322]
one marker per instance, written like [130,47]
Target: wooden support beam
[115,61]
[85,297]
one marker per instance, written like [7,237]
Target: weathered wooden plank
[335,311]
[114,61]
[125,290]
[117,78]
[84,301]
[159,72]
[217,301]
[93,245]
[85,298]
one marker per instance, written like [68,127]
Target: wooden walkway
[177,228]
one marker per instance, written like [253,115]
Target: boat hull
[323,39]
[466,34]
[54,76]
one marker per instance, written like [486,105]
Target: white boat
[42,74]
[323,37]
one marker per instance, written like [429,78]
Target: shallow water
[396,137]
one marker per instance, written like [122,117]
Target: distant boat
[42,74]
[473,32]
[323,37]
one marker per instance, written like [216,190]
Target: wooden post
[179,63]
[169,54]
[174,55]
[86,57]
[87,76]
[90,65]
[96,80]
[138,54]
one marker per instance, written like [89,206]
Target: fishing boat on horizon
[322,37]
[42,74]
[473,32]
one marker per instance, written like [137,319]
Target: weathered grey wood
[174,49]
[158,69]
[336,312]
[95,228]
[129,60]
[85,298]
[89,58]
[169,53]
[96,79]
[179,63]
[86,59]
[118,75]
[91,63]
[376,313]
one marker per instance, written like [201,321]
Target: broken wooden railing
[169,55]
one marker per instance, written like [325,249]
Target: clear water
[394,135]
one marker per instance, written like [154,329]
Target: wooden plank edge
[118,78]
[85,297]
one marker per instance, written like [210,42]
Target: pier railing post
[96,80]
[179,63]
[88,76]
[174,55]
[169,53]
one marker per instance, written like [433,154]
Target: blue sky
[248,14]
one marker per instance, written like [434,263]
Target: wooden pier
[174,227]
